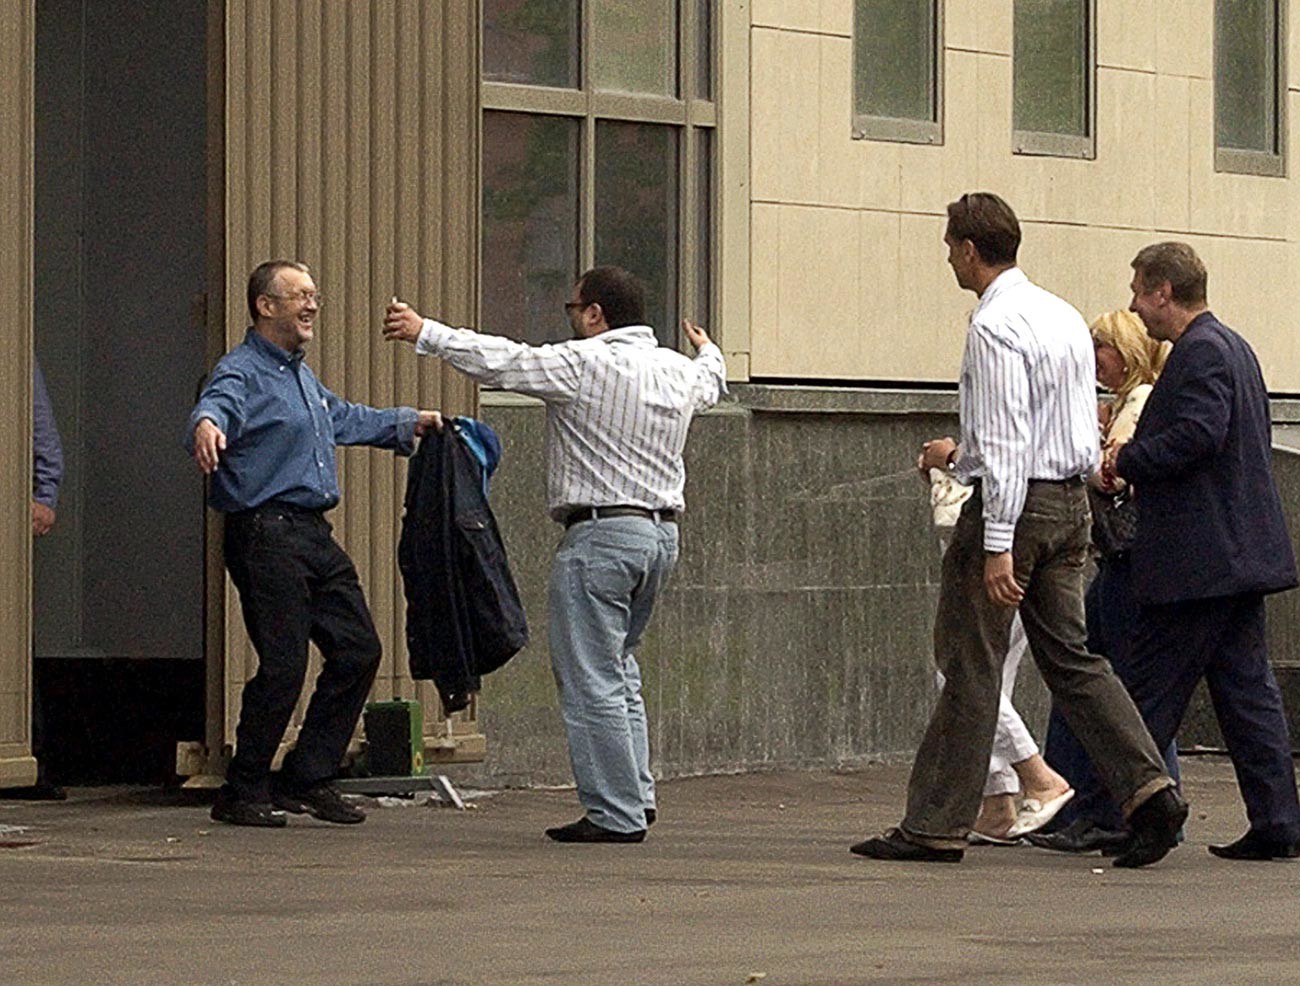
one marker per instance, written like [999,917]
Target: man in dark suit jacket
[1211,543]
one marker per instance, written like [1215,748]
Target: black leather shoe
[233,810]
[893,845]
[321,801]
[1155,824]
[1080,836]
[1252,845]
[585,830]
[650,816]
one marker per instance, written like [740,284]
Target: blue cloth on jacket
[47,449]
[282,426]
[1210,517]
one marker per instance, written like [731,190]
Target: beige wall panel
[817,293]
[1184,32]
[930,327]
[784,119]
[17,60]
[1171,153]
[837,17]
[978,25]
[932,176]
[1224,203]
[352,144]
[765,271]
[838,164]
[792,15]
[1118,188]
[1124,31]
[879,332]
[1088,267]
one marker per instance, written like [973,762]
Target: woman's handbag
[1114,520]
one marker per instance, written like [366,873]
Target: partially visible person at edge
[47,476]
[618,407]
[1128,362]
[1027,404]
[1211,543]
[265,431]
[1022,793]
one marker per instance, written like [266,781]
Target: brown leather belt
[578,514]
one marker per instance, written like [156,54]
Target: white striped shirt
[1028,399]
[618,406]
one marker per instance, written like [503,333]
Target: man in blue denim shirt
[265,430]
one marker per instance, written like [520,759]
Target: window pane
[1051,67]
[531,41]
[704,230]
[704,49]
[634,46]
[636,212]
[893,59]
[530,224]
[1245,74]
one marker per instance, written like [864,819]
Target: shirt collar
[269,349]
[637,334]
[1008,279]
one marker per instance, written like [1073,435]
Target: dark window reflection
[531,42]
[704,50]
[636,212]
[530,224]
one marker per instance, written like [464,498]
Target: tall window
[598,127]
[1249,86]
[898,70]
[1054,78]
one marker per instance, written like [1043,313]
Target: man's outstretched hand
[403,322]
[209,443]
[428,421]
[697,336]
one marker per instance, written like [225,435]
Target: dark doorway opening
[119,275]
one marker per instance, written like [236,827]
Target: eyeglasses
[576,305]
[313,297]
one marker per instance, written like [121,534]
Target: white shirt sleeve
[1000,422]
[550,372]
[710,377]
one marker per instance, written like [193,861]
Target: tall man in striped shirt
[618,406]
[1027,403]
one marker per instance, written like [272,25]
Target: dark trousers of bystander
[297,585]
[971,638]
[1223,641]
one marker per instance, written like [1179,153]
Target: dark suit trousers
[297,585]
[1223,641]
[971,638]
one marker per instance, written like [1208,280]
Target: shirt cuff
[405,429]
[431,337]
[998,536]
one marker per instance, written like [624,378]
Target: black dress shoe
[650,816]
[585,830]
[321,801]
[233,810]
[1155,824]
[1252,845]
[893,845]
[1080,836]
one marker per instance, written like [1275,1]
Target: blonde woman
[1128,362]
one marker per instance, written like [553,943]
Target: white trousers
[1012,741]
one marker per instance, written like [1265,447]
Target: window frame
[1035,143]
[687,112]
[1234,160]
[896,129]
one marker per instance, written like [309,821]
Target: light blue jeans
[604,581]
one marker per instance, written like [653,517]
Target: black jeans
[296,585]
[971,637]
